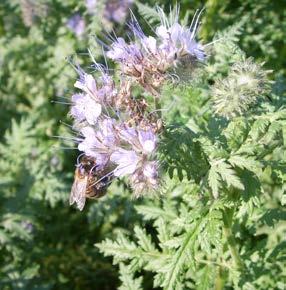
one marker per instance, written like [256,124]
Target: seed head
[235,94]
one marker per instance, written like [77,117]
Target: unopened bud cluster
[235,94]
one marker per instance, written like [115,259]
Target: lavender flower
[114,11]
[122,52]
[149,60]
[85,108]
[123,148]
[145,178]
[89,141]
[102,92]
[87,84]
[77,24]
[149,44]
[178,41]
[136,162]
[100,143]
[126,160]
[141,140]
[90,5]
[147,140]
[107,92]
[117,10]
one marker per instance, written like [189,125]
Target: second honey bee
[88,182]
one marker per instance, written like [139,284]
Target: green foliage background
[45,244]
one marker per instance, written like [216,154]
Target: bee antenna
[78,159]
[94,166]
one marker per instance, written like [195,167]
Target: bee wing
[78,193]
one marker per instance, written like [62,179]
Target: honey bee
[88,182]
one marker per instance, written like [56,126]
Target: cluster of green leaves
[220,221]
[216,226]
[44,244]
[182,227]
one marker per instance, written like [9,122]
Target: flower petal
[127,162]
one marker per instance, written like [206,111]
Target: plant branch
[227,220]
[220,279]
[158,106]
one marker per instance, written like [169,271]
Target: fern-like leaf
[127,279]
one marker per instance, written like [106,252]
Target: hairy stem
[220,279]
[227,220]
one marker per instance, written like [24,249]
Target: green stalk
[227,220]
[220,279]
[158,106]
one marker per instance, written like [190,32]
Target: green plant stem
[212,263]
[158,106]
[220,279]
[227,220]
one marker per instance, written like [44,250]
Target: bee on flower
[118,133]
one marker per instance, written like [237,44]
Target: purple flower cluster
[148,59]
[116,129]
[115,144]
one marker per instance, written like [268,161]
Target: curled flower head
[178,42]
[150,59]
